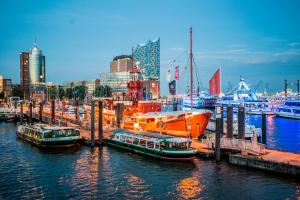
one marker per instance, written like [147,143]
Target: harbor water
[108,173]
[282,133]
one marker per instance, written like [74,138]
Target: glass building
[37,66]
[117,80]
[148,56]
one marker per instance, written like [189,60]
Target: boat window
[48,135]
[123,138]
[150,120]
[162,145]
[296,111]
[150,144]
[129,140]
[143,142]
[136,141]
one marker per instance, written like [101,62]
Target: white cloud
[293,44]
[243,56]
[177,49]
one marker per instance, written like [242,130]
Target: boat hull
[152,153]
[194,125]
[63,144]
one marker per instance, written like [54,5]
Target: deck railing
[251,147]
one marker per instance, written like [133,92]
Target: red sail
[215,83]
[176,73]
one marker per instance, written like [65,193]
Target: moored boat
[154,145]
[48,136]
[290,109]
[177,123]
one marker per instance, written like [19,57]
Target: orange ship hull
[190,124]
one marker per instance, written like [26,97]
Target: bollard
[92,123]
[241,122]
[100,120]
[119,111]
[219,128]
[41,112]
[30,112]
[264,128]
[21,114]
[229,133]
[53,111]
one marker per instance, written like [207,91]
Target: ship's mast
[191,68]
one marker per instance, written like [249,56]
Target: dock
[273,160]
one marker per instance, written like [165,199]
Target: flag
[215,83]
[176,73]
[168,75]
[172,87]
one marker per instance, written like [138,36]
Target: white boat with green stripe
[155,145]
[49,136]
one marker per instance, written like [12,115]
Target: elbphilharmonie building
[148,57]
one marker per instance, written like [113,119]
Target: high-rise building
[24,74]
[121,64]
[36,66]
[7,87]
[148,56]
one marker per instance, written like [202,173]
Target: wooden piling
[119,111]
[229,133]
[76,111]
[92,123]
[53,111]
[30,112]
[41,112]
[241,122]
[21,112]
[100,120]
[264,128]
[219,132]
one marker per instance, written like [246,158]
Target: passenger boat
[49,136]
[154,145]
[290,109]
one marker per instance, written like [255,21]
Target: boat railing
[251,147]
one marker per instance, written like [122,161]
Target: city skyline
[241,37]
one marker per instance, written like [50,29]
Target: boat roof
[49,127]
[155,137]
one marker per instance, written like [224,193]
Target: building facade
[1,84]
[37,66]
[148,57]
[121,64]
[7,87]
[151,89]
[117,81]
[24,74]
[92,85]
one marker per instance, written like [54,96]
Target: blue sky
[259,40]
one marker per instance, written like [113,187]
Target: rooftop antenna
[35,44]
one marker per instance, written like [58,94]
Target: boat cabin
[152,140]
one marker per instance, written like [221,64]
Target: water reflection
[189,188]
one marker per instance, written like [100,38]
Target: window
[150,144]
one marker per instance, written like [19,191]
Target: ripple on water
[108,173]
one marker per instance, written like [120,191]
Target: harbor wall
[268,165]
